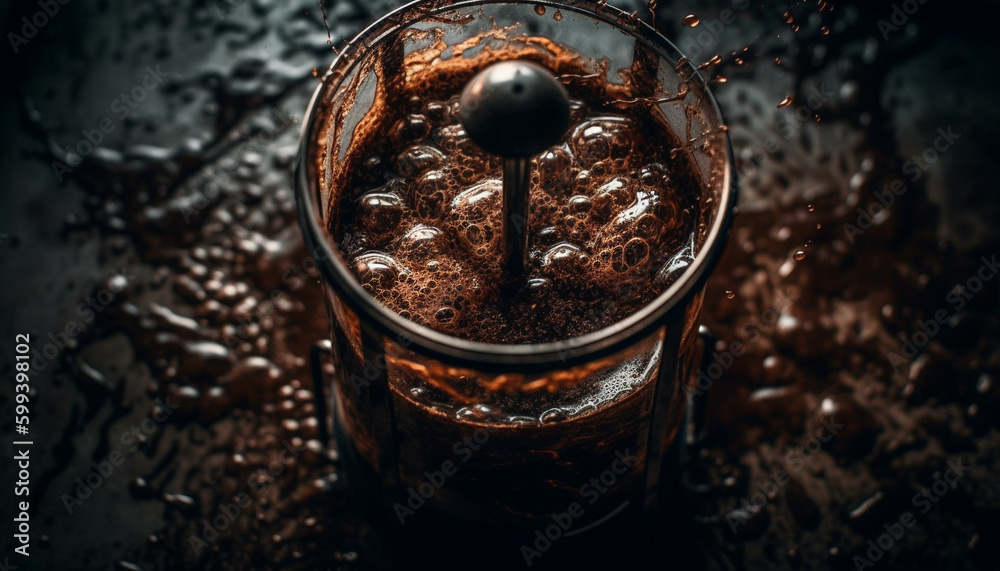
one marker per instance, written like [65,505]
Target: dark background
[223,122]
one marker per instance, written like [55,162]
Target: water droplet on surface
[183,503]
[984,384]
[539,9]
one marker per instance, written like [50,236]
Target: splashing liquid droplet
[326,22]
[716,60]
[785,102]
[799,255]
[730,294]
[691,20]
[787,18]
[824,30]
[811,208]
[777,61]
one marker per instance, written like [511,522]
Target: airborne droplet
[691,20]
[716,60]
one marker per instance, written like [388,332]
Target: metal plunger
[515,109]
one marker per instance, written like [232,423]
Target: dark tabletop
[147,213]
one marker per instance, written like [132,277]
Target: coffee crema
[614,208]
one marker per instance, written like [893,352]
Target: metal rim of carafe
[486,357]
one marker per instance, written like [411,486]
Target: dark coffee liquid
[417,215]
[612,215]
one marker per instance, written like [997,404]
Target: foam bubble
[377,271]
[607,215]
[602,139]
[379,212]
[413,127]
[418,159]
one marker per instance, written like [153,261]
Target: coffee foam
[420,222]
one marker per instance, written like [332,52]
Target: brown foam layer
[612,215]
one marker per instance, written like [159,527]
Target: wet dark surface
[167,273]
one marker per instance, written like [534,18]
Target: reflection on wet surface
[210,299]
